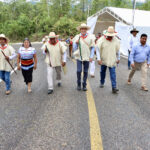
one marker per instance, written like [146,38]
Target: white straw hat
[4,37]
[53,35]
[110,31]
[83,25]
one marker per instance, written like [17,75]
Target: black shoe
[79,88]
[101,86]
[50,91]
[115,90]
[84,89]
[59,84]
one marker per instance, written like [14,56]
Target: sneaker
[92,76]
[50,91]
[8,92]
[144,88]
[101,86]
[84,89]
[115,90]
[79,88]
[59,84]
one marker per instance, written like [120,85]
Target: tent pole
[134,7]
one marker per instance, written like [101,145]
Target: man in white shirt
[133,40]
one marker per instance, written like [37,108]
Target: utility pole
[48,7]
[134,7]
[83,7]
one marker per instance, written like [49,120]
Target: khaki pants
[143,68]
[50,76]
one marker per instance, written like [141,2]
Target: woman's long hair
[26,39]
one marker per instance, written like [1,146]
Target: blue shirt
[140,54]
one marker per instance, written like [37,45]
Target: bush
[66,26]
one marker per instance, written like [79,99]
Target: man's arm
[75,46]
[148,57]
[92,52]
[13,56]
[13,53]
[65,57]
[132,55]
[118,55]
[98,53]
[130,43]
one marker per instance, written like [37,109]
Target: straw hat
[134,30]
[110,31]
[83,25]
[53,35]
[4,37]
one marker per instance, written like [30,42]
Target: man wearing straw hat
[55,58]
[108,56]
[7,53]
[84,51]
[133,40]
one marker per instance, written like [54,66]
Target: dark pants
[129,63]
[112,75]
[85,65]
[27,74]
[70,50]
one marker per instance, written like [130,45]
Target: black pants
[27,74]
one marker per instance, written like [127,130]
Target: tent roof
[125,15]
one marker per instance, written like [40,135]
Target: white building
[121,19]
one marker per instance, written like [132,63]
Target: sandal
[144,88]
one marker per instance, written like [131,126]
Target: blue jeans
[85,65]
[112,75]
[129,63]
[5,76]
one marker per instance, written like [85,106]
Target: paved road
[61,121]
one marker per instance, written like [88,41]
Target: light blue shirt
[140,53]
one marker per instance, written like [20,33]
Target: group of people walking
[85,48]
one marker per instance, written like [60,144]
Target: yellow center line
[95,132]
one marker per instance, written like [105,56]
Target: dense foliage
[19,19]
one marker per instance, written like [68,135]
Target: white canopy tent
[121,18]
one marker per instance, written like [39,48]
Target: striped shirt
[26,55]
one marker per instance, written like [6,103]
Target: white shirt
[132,40]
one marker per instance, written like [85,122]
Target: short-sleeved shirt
[26,56]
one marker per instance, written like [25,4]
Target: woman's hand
[35,67]
[18,67]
